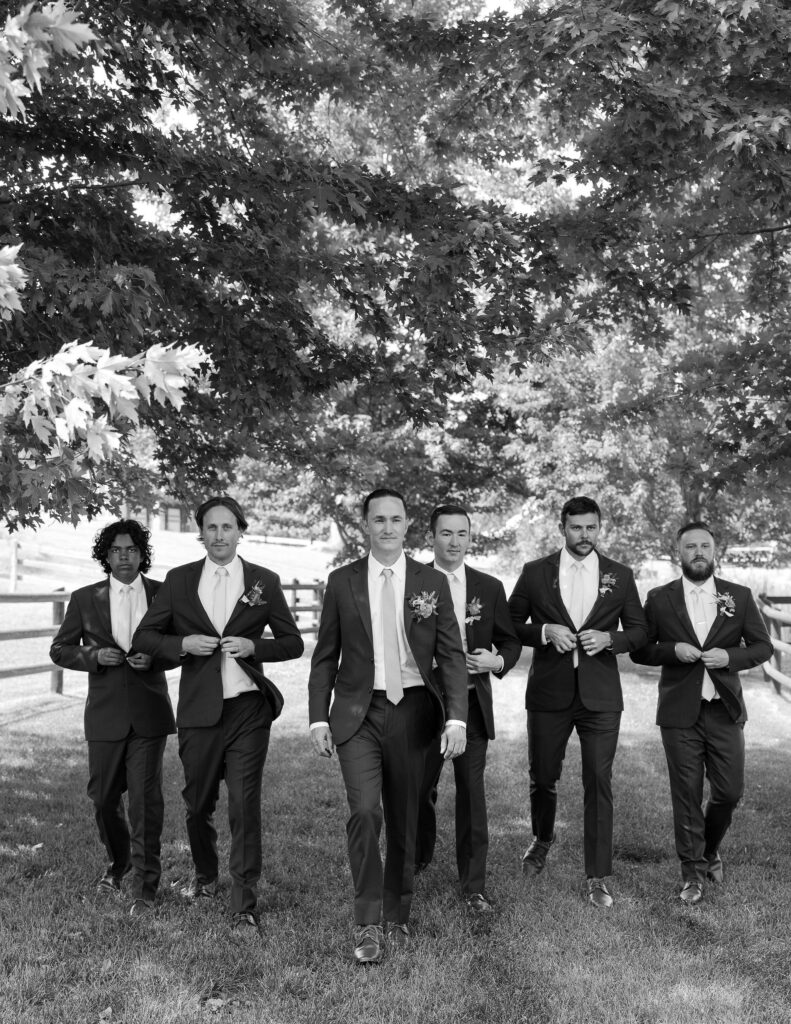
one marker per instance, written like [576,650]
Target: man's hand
[561,637]
[717,657]
[321,738]
[481,660]
[199,644]
[453,741]
[594,641]
[237,646]
[687,653]
[110,656]
[142,662]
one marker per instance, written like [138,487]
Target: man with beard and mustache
[702,631]
[567,607]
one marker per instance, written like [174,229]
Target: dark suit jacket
[550,682]
[178,612]
[119,697]
[494,627]
[743,635]
[342,666]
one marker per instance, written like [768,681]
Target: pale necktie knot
[219,609]
[125,612]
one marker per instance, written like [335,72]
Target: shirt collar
[707,586]
[117,586]
[459,572]
[589,563]
[399,566]
[233,567]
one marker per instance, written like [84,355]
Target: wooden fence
[306,616]
[777,619]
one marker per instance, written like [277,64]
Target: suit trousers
[383,766]
[714,747]
[235,749]
[548,734]
[472,828]
[134,765]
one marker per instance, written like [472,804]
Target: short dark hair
[382,492]
[695,524]
[579,506]
[141,538]
[447,510]
[226,502]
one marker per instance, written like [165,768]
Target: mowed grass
[546,956]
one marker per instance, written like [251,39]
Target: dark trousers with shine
[235,749]
[132,765]
[383,767]
[714,747]
[548,734]
[472,827]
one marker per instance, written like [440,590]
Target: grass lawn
[546,957]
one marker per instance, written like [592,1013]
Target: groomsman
[490,646]
[127,714]
[567,607]
[386,619]
[211,614]
[702,631]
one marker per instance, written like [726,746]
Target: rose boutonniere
[607,582]
[725,604]
[474,609]
[422,605]
[255,595]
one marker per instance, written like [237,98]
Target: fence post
[13,565]
[56,675]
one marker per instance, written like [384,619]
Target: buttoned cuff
[319,725]
[455,721]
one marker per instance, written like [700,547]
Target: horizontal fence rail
[777,619]
[306,615]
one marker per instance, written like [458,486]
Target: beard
[698,571]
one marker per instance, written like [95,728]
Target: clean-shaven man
[490,647]
[568,607]
[385,621]
[128,715]
[702,631]
[211,615]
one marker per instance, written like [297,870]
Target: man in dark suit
[127,714]
[702,631]
[490,646]
[574,601]
[386,619]
[212,615]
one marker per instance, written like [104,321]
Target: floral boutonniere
[607,582]
[422,605]
[255,595]
[474,609]
[725,604]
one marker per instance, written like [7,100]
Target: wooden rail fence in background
[305,615]
[777,619]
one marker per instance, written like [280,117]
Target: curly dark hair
[140,535]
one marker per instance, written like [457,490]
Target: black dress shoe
[691,893]
[421,865]
[536,856]
[714,871]
[141,908]
[199,890]
[245,926]
[369,943]
[397,935]
[110,884]
[599,894]
[478,904]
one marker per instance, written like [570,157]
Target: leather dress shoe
[368,943]
[478,904]
[199,890]
[598,893]
[714,871]
[245,925]
[397,934]
[421,865]
[110,884]
[141,908]
[536,856]
[691,893]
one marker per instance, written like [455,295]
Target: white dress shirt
[410,673]
[702,612]
[234,679]
[139,605]
[589,569]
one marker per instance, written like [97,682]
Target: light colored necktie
[220,598]
[702,622]
[125,608]
[459,606]
[393,686]
[577,596]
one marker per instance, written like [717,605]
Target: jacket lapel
[605,564]
[101,600]
[552,587]
[719,618]
[358,581]
[679,606]
[240,607]
[192,575]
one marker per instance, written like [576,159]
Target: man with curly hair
[128,714]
